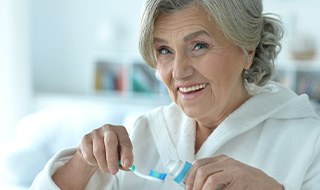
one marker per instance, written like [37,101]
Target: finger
[85,150]
[201,169]
[190,179]
[125,146]
[99,150]
[217,181]
[204,172]
[111,147]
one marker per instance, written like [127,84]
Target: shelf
[125,78]
[298,65]
[104,100]
[301,76]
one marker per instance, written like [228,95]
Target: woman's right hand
[102,148]
[105,146]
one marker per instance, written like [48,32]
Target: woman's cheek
[167,81]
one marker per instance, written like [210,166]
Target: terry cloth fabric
[275,131]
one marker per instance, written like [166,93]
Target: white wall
[66,34]
[300,17]
[15,75]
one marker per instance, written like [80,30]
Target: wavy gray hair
[241,21]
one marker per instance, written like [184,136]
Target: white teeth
[192,88]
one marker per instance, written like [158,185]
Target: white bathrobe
[275,131]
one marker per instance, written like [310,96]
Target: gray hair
[241,21]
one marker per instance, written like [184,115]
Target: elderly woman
[239,130]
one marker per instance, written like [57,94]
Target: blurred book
[136,77]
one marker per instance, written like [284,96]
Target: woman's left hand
[223,172]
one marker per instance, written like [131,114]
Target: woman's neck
[202,133]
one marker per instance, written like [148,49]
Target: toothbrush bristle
[157,175]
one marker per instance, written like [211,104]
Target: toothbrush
[153,175]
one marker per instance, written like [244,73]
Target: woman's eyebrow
[186,38]
[195,34]
[159,40]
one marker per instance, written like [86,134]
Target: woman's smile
[193,88]
[190,92]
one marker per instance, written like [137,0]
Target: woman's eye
[200,46]
[163,51]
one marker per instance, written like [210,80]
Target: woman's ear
[250,56]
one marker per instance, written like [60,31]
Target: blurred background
[69,66]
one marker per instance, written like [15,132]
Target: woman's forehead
[182,18]
[185,21]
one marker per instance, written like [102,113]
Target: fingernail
[188,187]
[112,170]
[126,163]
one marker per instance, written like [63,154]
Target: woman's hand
[105,146]
[102,148]
[223,172]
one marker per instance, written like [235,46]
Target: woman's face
[200,67]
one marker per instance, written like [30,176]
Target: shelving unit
[136,77]
[301,76]
[125,76]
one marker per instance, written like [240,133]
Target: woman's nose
[181,67]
